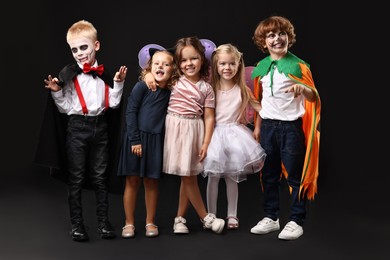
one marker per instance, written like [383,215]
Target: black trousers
[87,158]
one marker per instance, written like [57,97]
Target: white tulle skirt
[233,152]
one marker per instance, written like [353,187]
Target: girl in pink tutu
[189,126]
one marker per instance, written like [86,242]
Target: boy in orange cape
[289,126]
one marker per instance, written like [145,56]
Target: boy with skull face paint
[83,92]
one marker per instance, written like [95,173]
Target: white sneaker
[213,223]
[265,226]
[179,226]
[291,231]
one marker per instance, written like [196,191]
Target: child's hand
[203,152]
[256,134]
[299,89]
[52,83]
[150,81]
[137,150]
[121,74]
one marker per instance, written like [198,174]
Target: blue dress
[145,124]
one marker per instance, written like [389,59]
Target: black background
[349,217]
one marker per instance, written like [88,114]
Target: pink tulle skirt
[183,141]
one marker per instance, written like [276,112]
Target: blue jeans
[283,142]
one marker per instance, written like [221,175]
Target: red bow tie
[88,69]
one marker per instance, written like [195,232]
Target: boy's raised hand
[52,83]
[120,75]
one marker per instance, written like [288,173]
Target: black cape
[50,151]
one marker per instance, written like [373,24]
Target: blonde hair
[239,79]
[82,28]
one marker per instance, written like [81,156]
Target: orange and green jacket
[299,71]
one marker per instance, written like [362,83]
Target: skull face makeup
[84,49]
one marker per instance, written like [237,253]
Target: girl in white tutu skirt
[233,151]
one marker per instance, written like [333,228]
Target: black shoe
[78,233]
[105,230]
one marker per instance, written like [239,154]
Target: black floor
[35,225]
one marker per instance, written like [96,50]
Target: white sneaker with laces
[291,231]
[265,226]
[179,226]
[213,223]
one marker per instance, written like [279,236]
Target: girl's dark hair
[198,46]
